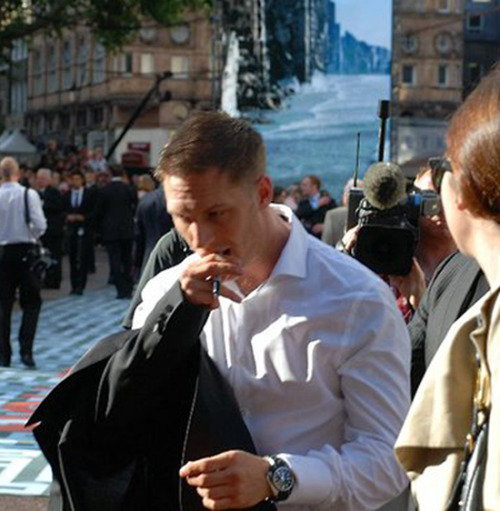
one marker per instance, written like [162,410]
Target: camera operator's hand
[197,284]
[411,286]
[346,244]
[324,201]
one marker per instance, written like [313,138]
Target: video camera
[388,215]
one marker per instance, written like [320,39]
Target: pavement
[67,327]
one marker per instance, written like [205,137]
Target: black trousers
[120,265]
[78,258]
[15,275]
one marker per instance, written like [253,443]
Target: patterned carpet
[66,329]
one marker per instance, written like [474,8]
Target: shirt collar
[10,184]
[293,258]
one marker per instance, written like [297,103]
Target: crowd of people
[259,366]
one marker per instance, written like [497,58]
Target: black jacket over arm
[132,411]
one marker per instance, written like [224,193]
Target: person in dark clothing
[79,206]
[114,215]
[312,209]
[170,250]
[52,204]
[152,222]
[91,186]
[458,283]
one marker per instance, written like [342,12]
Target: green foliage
[114,22]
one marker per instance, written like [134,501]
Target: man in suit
[458,284]
[312,209]
[79,207]
[114,215]
[152,222]
[52,204]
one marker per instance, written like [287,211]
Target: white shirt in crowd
[318,357]
[13,228]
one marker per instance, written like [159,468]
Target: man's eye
[215,215]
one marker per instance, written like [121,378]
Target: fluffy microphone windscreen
[384,185]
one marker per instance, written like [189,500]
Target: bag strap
[27,217]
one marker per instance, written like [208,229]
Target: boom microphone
[384,185]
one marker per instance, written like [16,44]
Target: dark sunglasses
[438,168]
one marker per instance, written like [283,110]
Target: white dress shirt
[13,228]
[318,357]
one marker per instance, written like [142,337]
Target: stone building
[481,40]
[426,79]
[80,94]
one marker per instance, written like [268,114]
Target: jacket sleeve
[136,376]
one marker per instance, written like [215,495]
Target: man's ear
[264,190]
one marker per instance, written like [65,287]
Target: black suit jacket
[53,209]
[457,284]
[137,407]
[115,210]
[152,222]
[310,217]
[86,208]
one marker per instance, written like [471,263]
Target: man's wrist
[280,478]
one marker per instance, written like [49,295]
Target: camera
[388,236]
[388,213]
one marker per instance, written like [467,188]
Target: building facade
[426,81]
[481,40]
[82,95]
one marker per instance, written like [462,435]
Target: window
[475,23]
[66,65]
[38,78]
[81,118]
[180,67]
[128,63]
[99,63]
[443,75]
[443,6]
[97,115]
[408,74]
[474,72]
[52,69]
[65,121]
[147,63]
[81,68]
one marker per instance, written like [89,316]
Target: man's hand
[230,480]
[411,286]
[197,279]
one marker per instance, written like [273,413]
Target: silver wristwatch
[280,478]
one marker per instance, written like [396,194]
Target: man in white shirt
[311,342]
[16,238]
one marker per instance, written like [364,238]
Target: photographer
[434,245]
[17,237]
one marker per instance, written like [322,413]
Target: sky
[368,20]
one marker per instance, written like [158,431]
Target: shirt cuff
[314,483]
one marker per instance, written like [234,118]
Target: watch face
[283,479]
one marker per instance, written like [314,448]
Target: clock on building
[409,43]
[180,34]
[443,43]
[148,34]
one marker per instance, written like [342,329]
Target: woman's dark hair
[473,142]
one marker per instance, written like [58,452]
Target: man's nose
[202,236]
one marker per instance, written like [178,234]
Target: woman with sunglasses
[458,402]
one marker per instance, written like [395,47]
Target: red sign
[135,159]
[144,147]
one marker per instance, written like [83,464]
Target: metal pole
[138,111]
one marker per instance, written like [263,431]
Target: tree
[114,22]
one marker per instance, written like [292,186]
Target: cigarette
[216,286]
